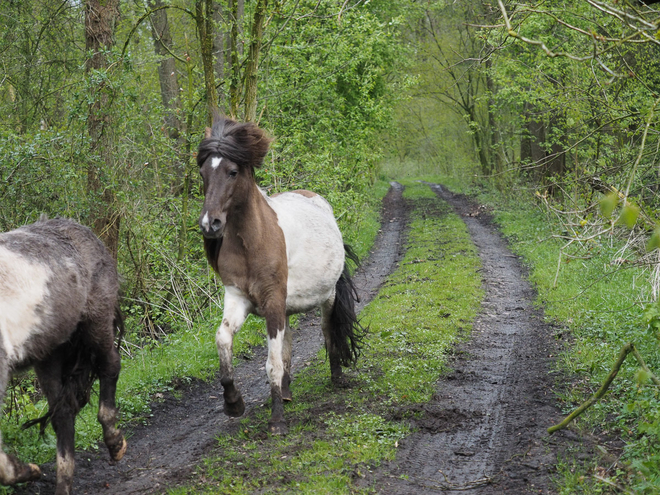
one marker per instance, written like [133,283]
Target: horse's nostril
[216,225]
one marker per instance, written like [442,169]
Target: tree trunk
[234,85]
[169,83]
[252,67]
[496,161]
[228,19]
[544,163]
[205,31]
[169,89]
[533,135]
[220,43]
[100,19]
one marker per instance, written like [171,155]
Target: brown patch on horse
[302,192]
[251,256]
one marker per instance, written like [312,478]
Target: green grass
[338,435]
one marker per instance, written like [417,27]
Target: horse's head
[227,157]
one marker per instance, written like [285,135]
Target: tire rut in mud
[485,429]
[180,432]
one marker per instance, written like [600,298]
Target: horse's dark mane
[242,143]
[212,250]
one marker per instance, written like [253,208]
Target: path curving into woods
[484,432]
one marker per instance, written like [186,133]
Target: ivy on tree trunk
[100,19]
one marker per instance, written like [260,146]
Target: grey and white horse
[276,256]
[59,313]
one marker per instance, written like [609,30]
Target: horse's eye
[233,173]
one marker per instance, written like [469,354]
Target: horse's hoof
[28,472]
[278,429]
[119,454]
[116,445]
[235,409]
[287,396]
[339,381]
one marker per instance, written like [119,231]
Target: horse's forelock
[243,143]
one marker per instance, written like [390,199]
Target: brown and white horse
[276,256]
[59,312]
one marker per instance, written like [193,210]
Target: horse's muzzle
[211,228]
[211,234]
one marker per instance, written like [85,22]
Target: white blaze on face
[215,162]
[205,221]
[22,289]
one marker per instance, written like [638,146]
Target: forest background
[551,103]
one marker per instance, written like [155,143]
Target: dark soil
[180,432]
[484,431]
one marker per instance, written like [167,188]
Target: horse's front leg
[275,368]
[236,309]
[12,470]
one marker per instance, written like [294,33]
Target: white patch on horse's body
[314,249]
[23,288]
[215,162]
[205,221]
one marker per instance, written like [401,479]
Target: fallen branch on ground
[625,350]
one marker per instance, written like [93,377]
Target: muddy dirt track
[484,430]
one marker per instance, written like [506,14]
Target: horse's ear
[207,132]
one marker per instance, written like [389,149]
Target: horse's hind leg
[12,471]
[286,358]
[109,365]
[336,373]
[63,414]
[236,309]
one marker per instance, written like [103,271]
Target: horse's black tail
[118,324]
[346,333]
[79,372]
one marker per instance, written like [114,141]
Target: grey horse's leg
[109,365]
[12,470]
[63,415]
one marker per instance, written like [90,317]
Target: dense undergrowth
[598,304]
[338,435]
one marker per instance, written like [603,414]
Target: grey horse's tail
[346,334]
